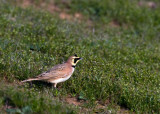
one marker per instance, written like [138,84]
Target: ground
[119,42]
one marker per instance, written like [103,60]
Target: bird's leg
[30,84]
[55,84]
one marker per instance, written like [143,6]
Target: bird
[58,73]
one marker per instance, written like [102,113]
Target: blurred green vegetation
[121,64]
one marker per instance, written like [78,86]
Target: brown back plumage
[54,72]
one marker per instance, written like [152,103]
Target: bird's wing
[55,72]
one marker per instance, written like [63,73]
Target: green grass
[25,101]
[120,64]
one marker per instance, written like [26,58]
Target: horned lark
[58,73]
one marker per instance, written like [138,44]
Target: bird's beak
[80,58]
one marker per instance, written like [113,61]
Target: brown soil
[52,8]
[73,100]
[149,4]
[114,24]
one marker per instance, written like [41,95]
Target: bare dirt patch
[149,4]
[114,24]
[73,100]
[52,8]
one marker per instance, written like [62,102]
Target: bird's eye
[76,59]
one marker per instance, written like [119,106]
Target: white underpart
[63,79]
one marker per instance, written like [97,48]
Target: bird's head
[73,60]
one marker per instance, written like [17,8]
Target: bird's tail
[31,79]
